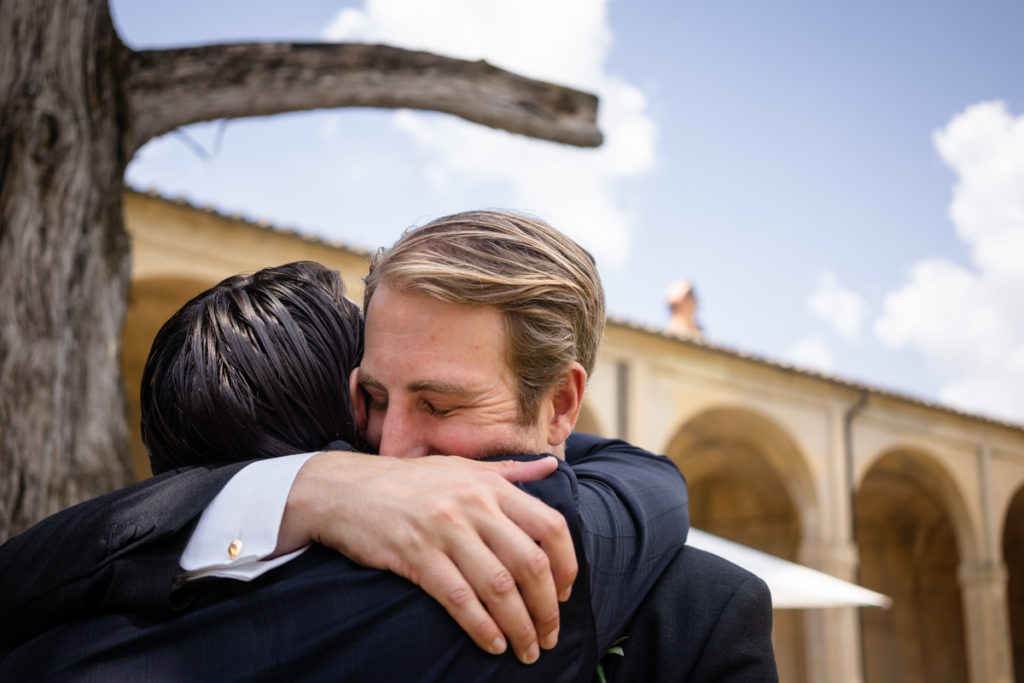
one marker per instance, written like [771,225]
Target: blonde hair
[544,283]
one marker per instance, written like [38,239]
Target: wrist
[322,498]
[301,507]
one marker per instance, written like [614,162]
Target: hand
[456,527]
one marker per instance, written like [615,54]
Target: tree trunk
[74,105]
[64,258]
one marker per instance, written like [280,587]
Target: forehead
[412,337]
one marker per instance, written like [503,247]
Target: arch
[1006,506]
[1013,556]
[913,532]
[749,482]
[742,429]
[916,463]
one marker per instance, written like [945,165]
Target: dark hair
[254,367]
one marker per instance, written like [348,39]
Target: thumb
[528,470]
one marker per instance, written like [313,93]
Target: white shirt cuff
[240,525]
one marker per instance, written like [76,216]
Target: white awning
[793,586]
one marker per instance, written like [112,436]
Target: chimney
[682,303]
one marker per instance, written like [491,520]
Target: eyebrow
[435,386]
[441,387]
[366,380]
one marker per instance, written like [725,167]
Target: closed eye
[375,400]
[435,411]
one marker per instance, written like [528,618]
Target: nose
[402,435]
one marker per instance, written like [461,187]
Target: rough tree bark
[64,256]
[75,104]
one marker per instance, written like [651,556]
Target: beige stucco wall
[173,240]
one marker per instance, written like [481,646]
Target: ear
[566,399]
[358,400]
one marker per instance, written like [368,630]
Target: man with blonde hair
[481,330]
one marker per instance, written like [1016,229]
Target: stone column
[833,634]
[986,622]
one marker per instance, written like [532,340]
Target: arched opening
[1013,556]
[748,482]
[150,304]
[908,550]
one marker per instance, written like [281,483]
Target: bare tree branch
[166,89]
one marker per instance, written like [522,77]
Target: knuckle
[502,583]
[567,575]
[548,622]
[459,595]
[474,495]
[525,633]
[484,629]
[441,509]
[553,523]
[538,564]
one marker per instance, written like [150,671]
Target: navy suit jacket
[705,620]
[118,554]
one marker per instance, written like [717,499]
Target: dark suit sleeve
[705,621]
[634,510]
[319,617]
[124,547]
[117,552]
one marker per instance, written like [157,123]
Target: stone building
[912,499]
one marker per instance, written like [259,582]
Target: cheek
[452,438]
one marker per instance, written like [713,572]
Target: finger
[506,584]
[528,470]
[446,584]
[530,568]
[469,573]
[548,527]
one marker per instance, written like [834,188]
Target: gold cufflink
[235,549]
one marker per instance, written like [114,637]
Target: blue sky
[843,183]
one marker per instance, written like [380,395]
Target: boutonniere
[615,649]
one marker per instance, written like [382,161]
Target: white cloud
[985,145]
[969,322]
[812,353]
[842,308]
[565,42]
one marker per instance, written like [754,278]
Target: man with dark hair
[482,330]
